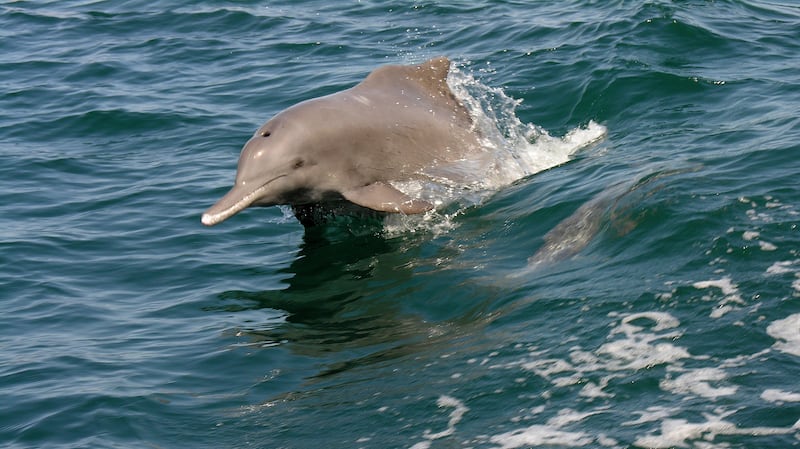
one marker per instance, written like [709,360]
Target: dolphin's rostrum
[350,146]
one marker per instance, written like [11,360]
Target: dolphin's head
[273,169]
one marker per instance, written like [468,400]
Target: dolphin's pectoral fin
[385,198]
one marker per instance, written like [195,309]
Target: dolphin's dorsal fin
[431,75]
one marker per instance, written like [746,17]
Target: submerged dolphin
[349,146]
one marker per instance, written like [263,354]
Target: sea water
[623,271]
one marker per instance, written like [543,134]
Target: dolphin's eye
[299,163]
[266,134]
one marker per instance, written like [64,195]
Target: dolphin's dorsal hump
[431,76]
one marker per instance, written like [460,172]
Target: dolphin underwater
[343,151]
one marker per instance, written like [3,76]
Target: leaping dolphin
[350,146]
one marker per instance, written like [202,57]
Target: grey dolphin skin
[349,146]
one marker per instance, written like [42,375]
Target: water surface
[642,294]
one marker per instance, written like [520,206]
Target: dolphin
[349,147]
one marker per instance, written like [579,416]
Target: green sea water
[635,284]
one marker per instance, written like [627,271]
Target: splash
[516,149]
[512,150]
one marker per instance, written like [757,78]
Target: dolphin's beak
[236,200]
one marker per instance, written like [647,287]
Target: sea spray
[512,150]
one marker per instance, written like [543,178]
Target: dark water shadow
[320,280]
[356,299]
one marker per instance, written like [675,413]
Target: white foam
[779,396]
[639,341]
[548,367]
[698,382]
[638,349]
[750,235]
[676,432]
[459,409]
[568,416]
[593,390]
[421,445]
[651,414]
[787,334]
[541,435]
[662,320]
[786,266]
[766,246]
[729,290]
[551,433]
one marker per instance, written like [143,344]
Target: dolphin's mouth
[236,200]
